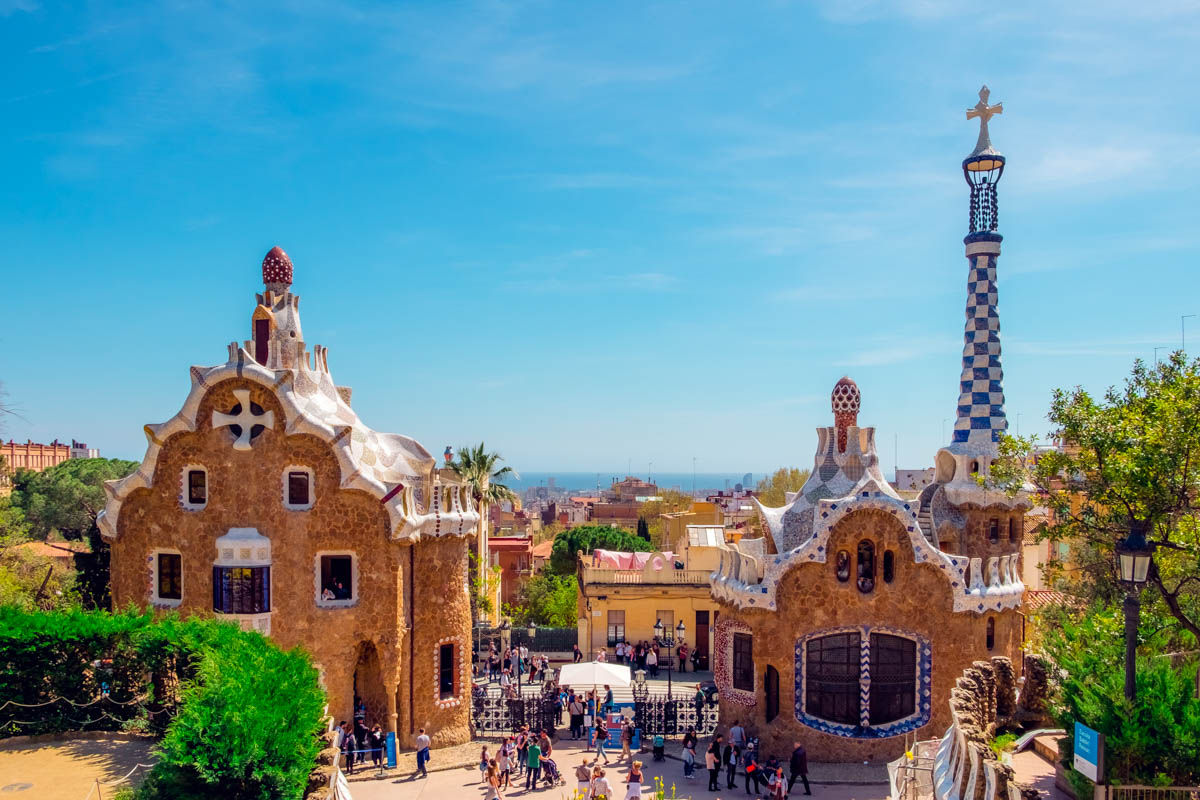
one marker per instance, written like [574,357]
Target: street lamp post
[1134,555]
[669,643]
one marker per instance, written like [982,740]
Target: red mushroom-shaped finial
[277,267]
[846,400]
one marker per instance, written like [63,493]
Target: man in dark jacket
[799,768]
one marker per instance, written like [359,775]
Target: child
[484,760]
[504,761]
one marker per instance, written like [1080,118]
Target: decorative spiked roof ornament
[983,168]
[846,401]
[277,269]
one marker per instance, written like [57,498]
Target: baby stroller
[660,746]
[550,773]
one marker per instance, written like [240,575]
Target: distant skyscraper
[550,483]
[727,484]
[748,480]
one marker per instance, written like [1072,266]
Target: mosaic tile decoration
[723,663]
[980,413]
[864,730]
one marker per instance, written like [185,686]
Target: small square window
[168,578]
[336,580]
[195,488]
[297,488]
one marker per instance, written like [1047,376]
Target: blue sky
[587,233]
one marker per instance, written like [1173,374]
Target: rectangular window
[298,489]
[831,677]
[893,678]
[241,590]
[616,627]
[337,576]
[446,671]
[743,662]
[197,487]
[993,530]
[170,576]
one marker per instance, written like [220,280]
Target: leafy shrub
[241,716]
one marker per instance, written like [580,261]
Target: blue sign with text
[1089,752]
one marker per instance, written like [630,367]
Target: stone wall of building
[810,599]
[245,489]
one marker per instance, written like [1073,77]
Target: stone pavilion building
[267,501]
[847,626]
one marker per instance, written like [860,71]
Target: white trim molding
[184,500]
[317,588]
[312,487]
[155,599]
[460,664]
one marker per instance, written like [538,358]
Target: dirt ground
[68,769]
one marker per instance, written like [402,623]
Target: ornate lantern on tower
[983,168]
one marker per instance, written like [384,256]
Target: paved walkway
[67,769]
[464,782]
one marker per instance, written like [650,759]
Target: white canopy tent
[594,673]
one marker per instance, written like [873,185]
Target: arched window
[889,566]
[866,566]
[991,632]
[1012,529]
[974,467]
[771,682]
[843,566]
[832,671]
[893,677]
[993,530]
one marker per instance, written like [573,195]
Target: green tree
[587,538]
[1129,458]
[1155,740]
[772,490]
[483,583]
[67,498]
[481,471]
[546,599]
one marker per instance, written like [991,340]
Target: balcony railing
[594,575]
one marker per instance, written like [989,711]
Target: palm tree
[482,473]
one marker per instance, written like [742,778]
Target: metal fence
[544,640]
[1153,792]
[493,712]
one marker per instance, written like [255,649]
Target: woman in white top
[600,787]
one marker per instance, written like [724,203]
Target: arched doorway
[368,685]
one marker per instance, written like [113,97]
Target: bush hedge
[240,717]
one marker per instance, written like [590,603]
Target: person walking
[698,701]
[652,664]
[601,741]
[583,779]
[798,767]
[377,740]
[348,746]
[533,764]
[777,785]
[731,756]
[751,769]
[689,759]
[627,739]
[504,761]
[737,735]
[633,783]
[423,745]
[599,788]
[575,711]
[492,779]
[609,705]
[712,761]
[576,654]
[484,760]
[523,748]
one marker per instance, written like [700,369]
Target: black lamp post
[1134,555]
[669,643]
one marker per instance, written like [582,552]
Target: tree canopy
[772,490]
[481,471]
[1129,458]
[67,498]
[546,599]
[587,538]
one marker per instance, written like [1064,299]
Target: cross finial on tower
[984,112]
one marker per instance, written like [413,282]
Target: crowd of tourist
[504,666]
[647,656]
[359,742]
